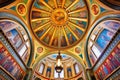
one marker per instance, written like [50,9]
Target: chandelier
[59,66]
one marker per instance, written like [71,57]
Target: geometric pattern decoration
[59,24]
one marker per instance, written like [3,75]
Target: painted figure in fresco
[9,65]
[16,75]
[25,58]
[83,14]
[80,4]
[59,1]
[2,49]
[111,63]
[63,41]
[100,74]
[104,38]
[11,68]
[40,32]
[117,58]
[108,67]
[55,41]
[115,62]
[71,38]
[6,25]
[47,38]
[20,75]
[77,50]
[95,9]
[105,69]
[10,36]
[21,9]
[14,38]
[40,49]
[81,24]
[102,71]
[6,62]
[36,14]
[77,33]
[117,51]
[97,75]
[3,57]
[118,46]
[107,37]
[59,16]
[14,70]
[112,24]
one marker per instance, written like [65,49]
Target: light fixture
[59,66]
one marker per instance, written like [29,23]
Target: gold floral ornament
[21,9]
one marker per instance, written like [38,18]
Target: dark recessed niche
[37,78]
[5,2]
[114,4]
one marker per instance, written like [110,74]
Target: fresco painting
[21,9]
[104,38]
[5,25]
[9,63]
[95,10]
[68,23]
[40,49]
[113,24]
[14,37]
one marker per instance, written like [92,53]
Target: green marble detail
[25,1]
[13,8]
[24,17]
[36,55]
[81,56]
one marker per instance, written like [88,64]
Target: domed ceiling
[59,23]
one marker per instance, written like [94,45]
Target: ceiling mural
[59,23]
[81,31]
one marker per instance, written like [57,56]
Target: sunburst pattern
[59,23]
